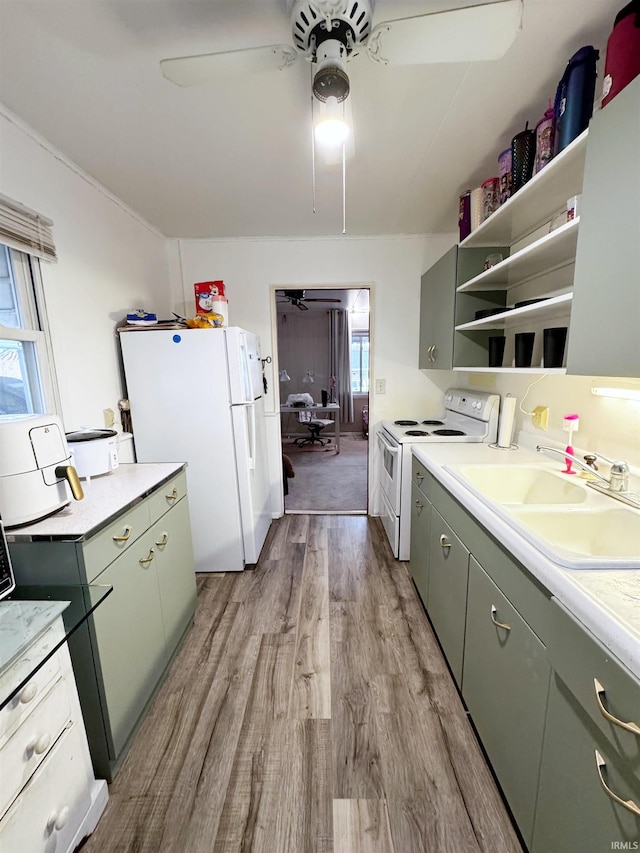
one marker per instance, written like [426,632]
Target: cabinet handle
[164,540]
[28,693]
[145,560]
[39,743]
[430,353]
[630,727]
[419,476]
[627,804]
[125,536]
[58,819]
[434,353]
[173,496]
[419,506]
[504,625]
[443,541]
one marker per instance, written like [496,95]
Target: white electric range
[468,416]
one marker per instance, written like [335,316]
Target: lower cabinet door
[447,590]
[129,638]
[505,684]
[176,572]
[575,814]
[420,530]
[51,807]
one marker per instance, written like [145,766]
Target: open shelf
[556,249]
[551,307]
[532,206]
[533,369]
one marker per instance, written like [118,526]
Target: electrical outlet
[540,417]
[381,386]
[109,417]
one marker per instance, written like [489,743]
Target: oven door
[391,524]
[390,470]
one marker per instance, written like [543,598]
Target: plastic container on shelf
[573,105]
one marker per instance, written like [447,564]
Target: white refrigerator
[196,396]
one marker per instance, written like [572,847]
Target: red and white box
[207,293]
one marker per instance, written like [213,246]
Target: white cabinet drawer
[49,810]
[30,695]
[29,745]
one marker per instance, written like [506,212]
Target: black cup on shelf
[496,350]
[524,348]
[553,343]
[325,397]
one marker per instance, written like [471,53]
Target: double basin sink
[571,523]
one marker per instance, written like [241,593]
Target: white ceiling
[233,158]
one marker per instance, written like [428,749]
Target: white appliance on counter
[469,416]
[37,476]
[196,396]
[94,451]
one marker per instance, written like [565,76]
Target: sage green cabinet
[420,530]
[606,296]
[120,655]
[438,309]
[575,814]
[447,590]
[505,685]
[130,651]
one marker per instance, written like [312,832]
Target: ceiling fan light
[331,132]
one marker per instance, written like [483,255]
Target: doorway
[323,339]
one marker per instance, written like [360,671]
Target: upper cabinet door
[437,304]
[604,337]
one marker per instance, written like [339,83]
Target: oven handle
[384,444]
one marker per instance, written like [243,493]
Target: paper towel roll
[477,197]
[507,421]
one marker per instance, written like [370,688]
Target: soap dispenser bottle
[570,424]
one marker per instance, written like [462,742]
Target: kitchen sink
[608,538]
[570,523]
[521,484]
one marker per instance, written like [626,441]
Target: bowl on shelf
[488,312]
[530,301]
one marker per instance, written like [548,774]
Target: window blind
[26,230]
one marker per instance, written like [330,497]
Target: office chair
[315,427]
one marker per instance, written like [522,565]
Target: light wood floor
[308,711]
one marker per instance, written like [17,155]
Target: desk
[316,410]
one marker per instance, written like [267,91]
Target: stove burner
[416,432]
[406,423]
[448,432]
[433,423]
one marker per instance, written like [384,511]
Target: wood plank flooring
[308,711]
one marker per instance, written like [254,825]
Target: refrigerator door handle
[251,426]
[245,369]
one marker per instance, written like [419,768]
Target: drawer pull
[164,540]
[443,541]
[58,819]
[630,727]
[504,625]
[125,536]
[419,476]
[39,743]
[146,560]
[173,496]
[28,693]
[419,507]
[626,804]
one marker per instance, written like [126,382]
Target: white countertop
[606,602]
[104,498]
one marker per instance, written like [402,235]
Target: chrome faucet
[618,483]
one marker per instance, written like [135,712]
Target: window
[360,362]
[27,384]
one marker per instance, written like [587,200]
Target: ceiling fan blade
[468,34]
[323,300]
[196,70]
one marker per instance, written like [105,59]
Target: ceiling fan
[328,33]
[297,298]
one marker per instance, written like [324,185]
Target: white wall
[110,262]
[391,266]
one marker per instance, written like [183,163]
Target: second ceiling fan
[298,299]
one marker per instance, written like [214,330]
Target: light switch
[381,386]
